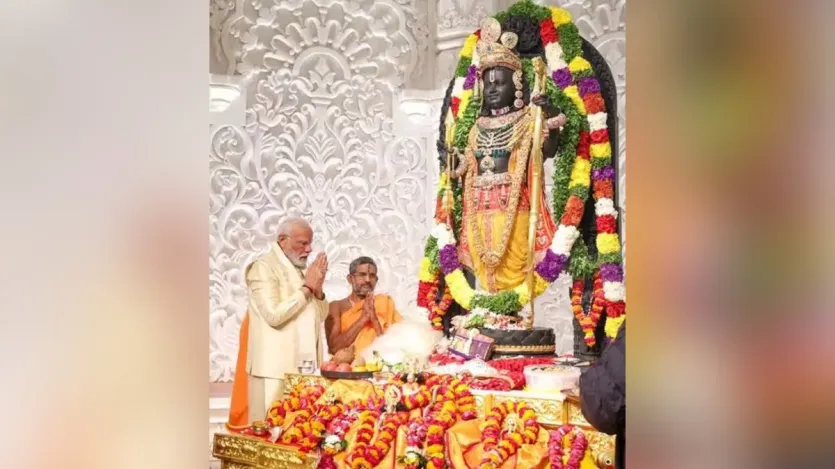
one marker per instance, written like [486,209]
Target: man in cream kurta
[287,307]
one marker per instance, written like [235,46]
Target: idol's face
[499,89]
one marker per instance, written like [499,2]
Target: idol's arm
[263,289]
[338,340]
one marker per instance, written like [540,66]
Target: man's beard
[299,262]
[363,291]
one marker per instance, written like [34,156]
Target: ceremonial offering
[471,344]
[488,392]
[554,378]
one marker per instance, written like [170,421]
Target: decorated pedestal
[236,451]
[534,341]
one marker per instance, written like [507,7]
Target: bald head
[295,237]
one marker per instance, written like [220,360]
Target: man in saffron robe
[354,322]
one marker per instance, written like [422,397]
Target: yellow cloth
[490,211]
[465,449]
[512,270]
[348,390]
[386,314]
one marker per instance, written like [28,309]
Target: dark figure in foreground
[603,394]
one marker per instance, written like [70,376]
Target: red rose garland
[577,441]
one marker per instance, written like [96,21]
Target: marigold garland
[588,321]
[498,448]
[438,309]
[584,165]
[298,399]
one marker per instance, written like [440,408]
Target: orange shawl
[239,405]
[386,314]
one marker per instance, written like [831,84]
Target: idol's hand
[541,100]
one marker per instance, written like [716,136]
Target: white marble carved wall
[323,80]
[338,130]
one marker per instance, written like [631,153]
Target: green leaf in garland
[611,258]
[582,74]
[580,264]
[529,9]
[463,66]
[600,163]
[580,191]
[465,123]
[570,41]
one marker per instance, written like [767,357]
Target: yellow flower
[469,46]
[600,150]
[612,326]
[524,296]
[465,101]
[579,64]
[460,289]
[516,437]
[574,93]
[426,275]
[560,16]
[431,449]
[507,446]
[581,173]
[608,243]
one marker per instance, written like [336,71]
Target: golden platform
[244,452]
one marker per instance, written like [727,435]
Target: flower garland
[498,448]
[425,437]
[577,441]
[440,420]
[308,427]
[588,322]
[575,89]
[438,309]
[334,443]
[366,455]
[298,399]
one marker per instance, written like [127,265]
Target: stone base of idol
[534,341]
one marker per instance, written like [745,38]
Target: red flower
[600,136]
[548,32]
[423,290]
[603,188]
[606,224]
[583,145]
[594,103]
[616,309]
[573,211]
[456,101]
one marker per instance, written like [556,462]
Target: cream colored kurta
[284,325]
